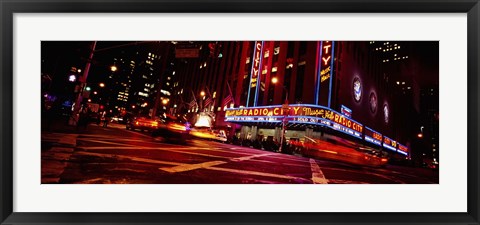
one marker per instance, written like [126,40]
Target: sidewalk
[58,141]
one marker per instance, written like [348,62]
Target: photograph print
[240,112]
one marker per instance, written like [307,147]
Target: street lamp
[285,109]
[164,101]
[72,78]
[101,85]
[113,68]
[274,80]
[202,93]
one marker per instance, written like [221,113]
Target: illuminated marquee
[389,144]
[298,113]
[373,136]
[402,149]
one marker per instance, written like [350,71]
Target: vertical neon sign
[255,72]
[319,65]
[331,75]
[325,72]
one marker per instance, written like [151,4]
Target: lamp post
[83,81]
[285,110]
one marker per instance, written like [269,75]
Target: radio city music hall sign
[295,111]
[325,67]
[256,63]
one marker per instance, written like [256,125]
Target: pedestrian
[106,118]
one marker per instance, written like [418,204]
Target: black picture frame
[10,7]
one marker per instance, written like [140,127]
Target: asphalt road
[114,155]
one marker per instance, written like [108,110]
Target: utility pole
[83,81]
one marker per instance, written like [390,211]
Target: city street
[114,155]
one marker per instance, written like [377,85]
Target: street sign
[86,94]
[186,51]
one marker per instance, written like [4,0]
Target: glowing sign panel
[346,111]
[389,144]
[373,136]
[402,149]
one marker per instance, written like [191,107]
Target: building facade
[361,91]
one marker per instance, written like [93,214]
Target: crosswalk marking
[189,167]
[317,174]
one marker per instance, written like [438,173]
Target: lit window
[214,94]
[399,46]
[276,51]
[406,57]
[289,66]
[267,54]
[248,60]
[168,78]
[395,55]
[201,66]
[395,48]
[274,69]
[205,64]
[149,54]
[302,63]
